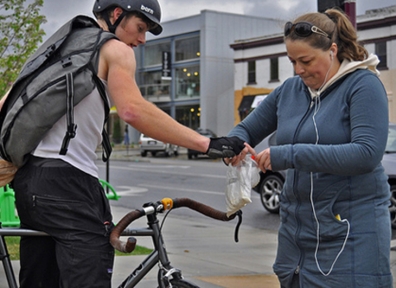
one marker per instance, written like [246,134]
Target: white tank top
[81,153]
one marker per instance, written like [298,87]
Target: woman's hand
[263,160]
[234,161]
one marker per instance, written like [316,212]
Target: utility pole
[350,10]
[348,6]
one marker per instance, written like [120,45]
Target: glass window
[189,115]
[274,69]
[187,82]
[252,72]
[154,88]
[380,50]
[187,48]
[153,53]
[245,107]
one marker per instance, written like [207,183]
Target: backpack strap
[71,126]
[107,149]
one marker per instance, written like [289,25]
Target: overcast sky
[59,11]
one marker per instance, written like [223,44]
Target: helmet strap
[113,27]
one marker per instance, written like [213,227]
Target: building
[188,70]
[261,63]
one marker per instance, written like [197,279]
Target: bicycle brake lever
[239,214]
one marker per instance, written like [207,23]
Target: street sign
[166,66]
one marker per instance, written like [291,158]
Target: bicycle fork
[165,271]
[159,256]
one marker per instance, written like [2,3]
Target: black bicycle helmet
[149,8]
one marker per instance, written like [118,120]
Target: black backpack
[53,80]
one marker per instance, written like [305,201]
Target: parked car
[148,144]
[271,182]
[205,132]
[389,163]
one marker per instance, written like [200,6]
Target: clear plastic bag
[240,181]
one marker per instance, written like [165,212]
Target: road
[153,178]
[203,248]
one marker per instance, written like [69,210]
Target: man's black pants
[72,208]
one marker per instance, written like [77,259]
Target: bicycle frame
[5,257]
[166,273]
[159,254]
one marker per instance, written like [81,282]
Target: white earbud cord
[317,107]
[318,236]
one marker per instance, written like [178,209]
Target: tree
[20,35]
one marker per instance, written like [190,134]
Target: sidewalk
[208,256]
[206,253]
[204,250]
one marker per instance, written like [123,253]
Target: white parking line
[168,171]
[182,189]
[254,195]
[130,190]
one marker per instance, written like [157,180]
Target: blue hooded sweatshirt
[335,223]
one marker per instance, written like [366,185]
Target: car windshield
[391,144]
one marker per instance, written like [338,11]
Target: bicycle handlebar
[164,204]
[202,208]
[129,246]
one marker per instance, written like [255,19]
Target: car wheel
[189,156]
[153,153]
[143,153]
[270,189]
[392,207]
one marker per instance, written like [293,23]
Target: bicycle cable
[239,214]
[163,220]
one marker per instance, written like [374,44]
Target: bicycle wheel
[180,283]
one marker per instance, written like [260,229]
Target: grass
[12,243]
[139,250]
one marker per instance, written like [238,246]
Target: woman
[332,125]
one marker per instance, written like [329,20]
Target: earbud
[331,55]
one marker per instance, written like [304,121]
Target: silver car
[271,183]
[148,144]
[389,163]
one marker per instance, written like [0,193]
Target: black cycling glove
[225,147]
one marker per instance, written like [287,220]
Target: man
[61,194]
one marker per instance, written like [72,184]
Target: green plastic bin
[8,214]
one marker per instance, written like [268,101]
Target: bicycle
[168,276]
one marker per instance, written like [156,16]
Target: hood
[347,67]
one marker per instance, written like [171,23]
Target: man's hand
[225,147]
